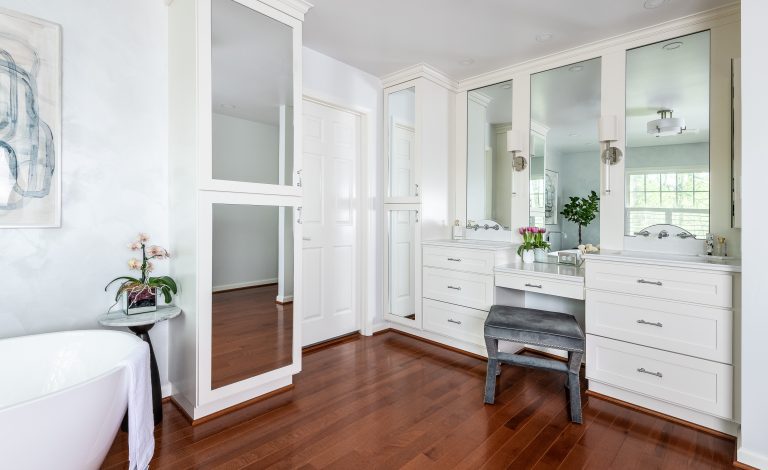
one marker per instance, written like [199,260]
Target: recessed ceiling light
[575,68]
[544,37]
[651,4]
[672,46]
[467,61]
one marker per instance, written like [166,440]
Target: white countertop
[561,272]
[472,244]
[667,259]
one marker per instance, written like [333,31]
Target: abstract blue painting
[30,122]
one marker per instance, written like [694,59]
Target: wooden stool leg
[493,365]
[574,387]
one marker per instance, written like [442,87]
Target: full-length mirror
[489,165]
[565,154]
[667,129]
[401,248]
[252,298]
[401,122]
[252,84]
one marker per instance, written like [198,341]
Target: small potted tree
[582,210]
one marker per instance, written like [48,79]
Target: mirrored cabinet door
[667,179]
[402,154]
[252,96]
[252,291]
[489,164]
[403,301]
[565,154]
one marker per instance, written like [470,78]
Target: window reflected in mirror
[565,153]
[667,131]
[401,107]
[252,298]
[402,226]
[252,87]
[489,165]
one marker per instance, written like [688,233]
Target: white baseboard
[241,285]
[284,299]
[751,458]
[376,327]
[166,389]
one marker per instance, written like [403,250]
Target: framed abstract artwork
[30,122]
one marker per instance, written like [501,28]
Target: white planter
[540,255]
[528,256]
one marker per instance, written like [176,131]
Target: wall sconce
[514,145]
[607,128]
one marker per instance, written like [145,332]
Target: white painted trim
[284,299]
[421,70]
[379,326]
[753,459]
[241,285]
[366,158]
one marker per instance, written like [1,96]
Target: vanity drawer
[694,330]
[542,285]
[467,289]
[684,285]
[459,259]
[685,381]
[454,321]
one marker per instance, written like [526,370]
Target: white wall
[245,150]
[328,79]
[578,174]
[114,168]
[753,449]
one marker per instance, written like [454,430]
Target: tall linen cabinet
[230,60]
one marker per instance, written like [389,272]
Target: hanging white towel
[141,438]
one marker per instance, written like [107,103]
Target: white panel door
[403,161]
[329,215]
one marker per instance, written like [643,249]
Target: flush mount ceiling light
[544,37]
[467,61]
[666,125]
[671,46]
[651,4]
[575,68]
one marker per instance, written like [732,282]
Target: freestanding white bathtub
[62,398]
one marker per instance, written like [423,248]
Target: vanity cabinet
[660,335]
[235,201]
[459,289]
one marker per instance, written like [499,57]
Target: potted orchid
[534,246]
[140,294]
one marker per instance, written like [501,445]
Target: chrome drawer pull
[534,285]
[642,369]
[643,281]
[455,287]
[458,260]
[451,320]
[643,322]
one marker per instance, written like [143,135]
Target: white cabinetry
[660,335]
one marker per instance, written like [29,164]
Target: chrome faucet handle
[685,235]
[495,227]
[643,233]
[663,234]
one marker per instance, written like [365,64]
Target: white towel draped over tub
[141,438]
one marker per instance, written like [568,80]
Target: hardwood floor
[251,334]
[391,401]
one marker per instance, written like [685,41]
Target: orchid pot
[141,300]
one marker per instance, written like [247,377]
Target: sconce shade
[607,128]
[514,141]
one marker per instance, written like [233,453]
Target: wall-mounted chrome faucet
[685,235]
[643,233]
[663,234]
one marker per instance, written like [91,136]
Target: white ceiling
[382,37]
[252,63]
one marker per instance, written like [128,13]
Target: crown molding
[480,98]
[723,15]
[294,8]
[421,70]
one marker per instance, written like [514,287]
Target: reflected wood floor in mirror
[251,334]
[392,401]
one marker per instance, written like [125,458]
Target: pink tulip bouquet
[141,293]
[533,237]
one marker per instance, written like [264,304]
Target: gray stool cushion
[537,327]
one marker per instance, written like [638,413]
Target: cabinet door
[252,124]
[403,286]
[401,144]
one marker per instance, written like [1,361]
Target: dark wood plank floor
[251,334]
[392,401]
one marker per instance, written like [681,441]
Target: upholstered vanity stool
[539,328]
